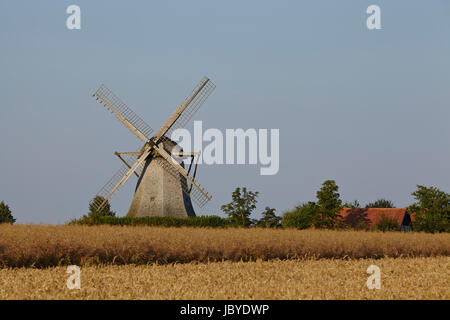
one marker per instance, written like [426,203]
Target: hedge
[199,221]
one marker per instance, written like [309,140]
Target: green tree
[302,217]
[329,205]
[269,219]
[380,203]
[5,214]
[354,205]
[103,212]
[431,211]
[240,209]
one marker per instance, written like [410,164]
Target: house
[368,218]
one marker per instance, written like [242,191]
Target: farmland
[402,278]
[47,246]
[141,262]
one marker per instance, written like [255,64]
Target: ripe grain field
[401,278]
[46,246]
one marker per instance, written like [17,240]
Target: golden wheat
[43,246]
[404,278]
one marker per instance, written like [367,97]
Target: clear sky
[369,109]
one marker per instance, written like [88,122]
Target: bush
[103,212]
[302,217]
[387,223]
[200,221]
[269,219]
[5,214]
[431,211]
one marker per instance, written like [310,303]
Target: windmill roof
[371,216]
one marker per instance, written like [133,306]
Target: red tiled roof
[371,216]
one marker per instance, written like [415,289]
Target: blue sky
[369,109]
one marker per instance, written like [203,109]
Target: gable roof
[371,216]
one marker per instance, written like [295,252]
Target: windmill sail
[109,188]
[194,101]
[187,109]
[123,113]
[133,162]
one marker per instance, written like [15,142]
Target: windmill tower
[164,186]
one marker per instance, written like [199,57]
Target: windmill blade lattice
[114,104]
[105,192]
[194,104]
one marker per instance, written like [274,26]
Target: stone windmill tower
[164,187]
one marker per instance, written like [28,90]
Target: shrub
[269,219]
[387,223]
[103,212]
[302,217]
[361,225]
[5,214]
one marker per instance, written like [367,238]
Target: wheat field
[402,278]
[46,246]
[142,262]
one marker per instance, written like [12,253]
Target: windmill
[164,187]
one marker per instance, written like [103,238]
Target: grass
[404,278]
[47,246]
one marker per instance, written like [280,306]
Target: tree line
[431,212]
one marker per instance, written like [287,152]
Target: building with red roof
[368,218]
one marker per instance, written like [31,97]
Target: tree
[5,214]
[269,219]
[240,209]
[380,203]
[354,205]
[329,205]
[103,212]
[431,211]
[302,217]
